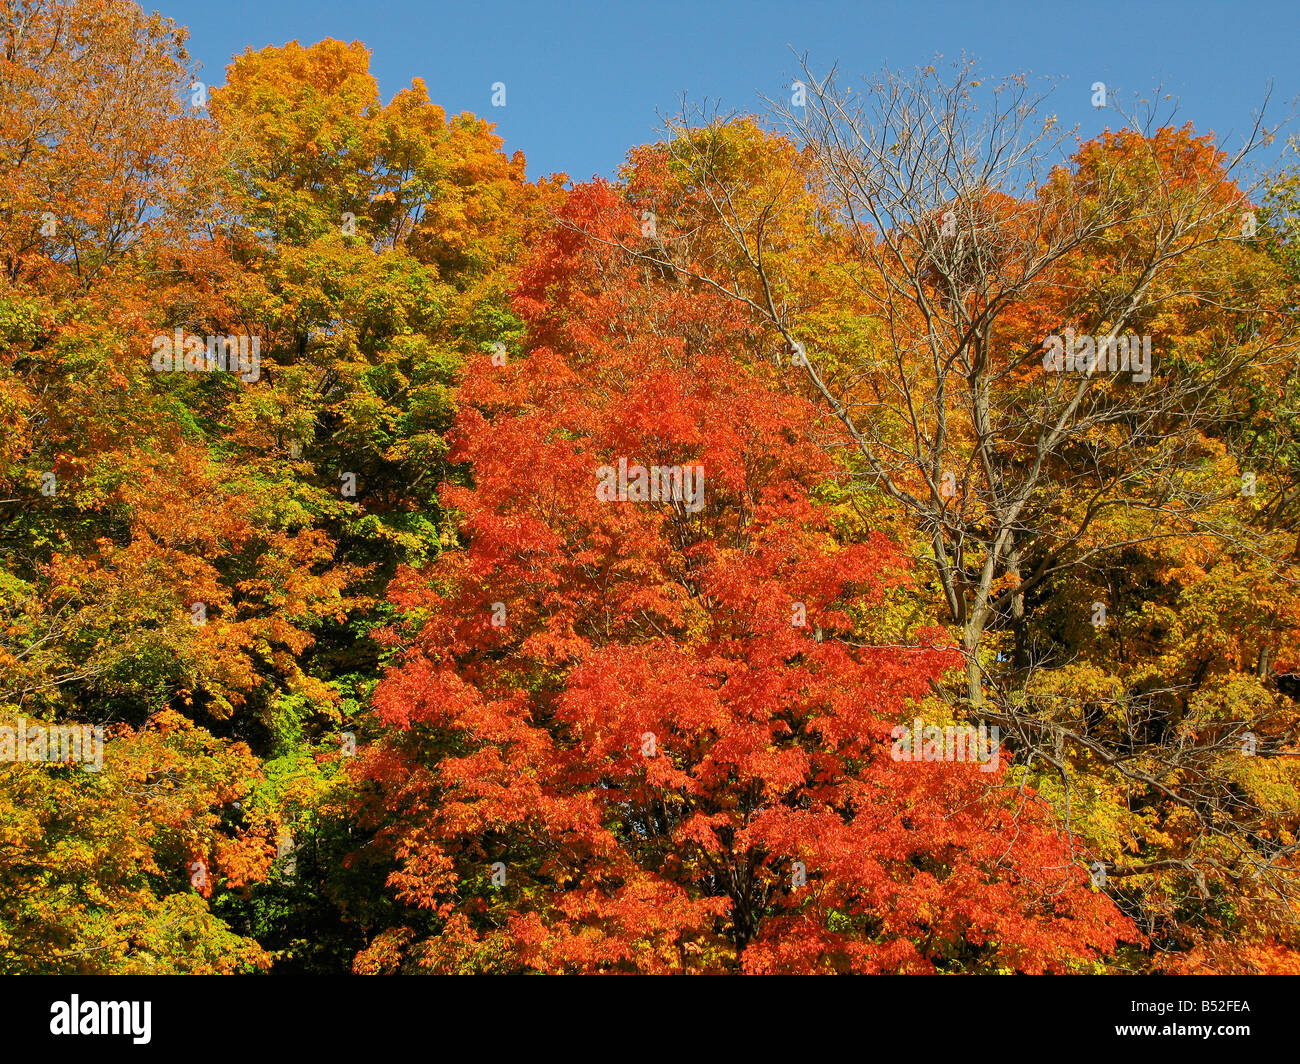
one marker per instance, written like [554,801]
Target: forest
[861,537]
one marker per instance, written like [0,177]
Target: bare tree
[947,414]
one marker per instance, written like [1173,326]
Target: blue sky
[585,80]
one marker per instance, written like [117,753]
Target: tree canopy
[861,537]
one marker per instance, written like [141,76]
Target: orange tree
[652,733]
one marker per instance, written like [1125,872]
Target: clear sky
[586,79]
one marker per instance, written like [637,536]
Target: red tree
[612,746]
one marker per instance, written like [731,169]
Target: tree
[656,735]
[922,262]
[113,870]
[965,282]
[100,154]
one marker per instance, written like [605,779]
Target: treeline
[477,574]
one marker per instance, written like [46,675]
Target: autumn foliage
[554,595]
[649,746]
